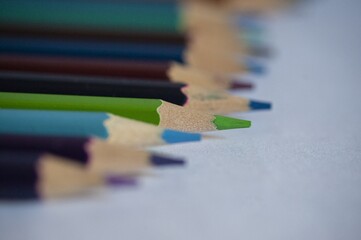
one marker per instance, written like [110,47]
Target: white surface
[296,174]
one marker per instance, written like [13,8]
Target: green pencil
[154,111]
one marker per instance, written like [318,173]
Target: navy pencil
[92,49]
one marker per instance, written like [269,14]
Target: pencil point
[241,85]
[261,51]
[158,160]
[114,180]
[256,105]
[224,123]
[255,67]
[173,136]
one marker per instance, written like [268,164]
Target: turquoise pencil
[103,125]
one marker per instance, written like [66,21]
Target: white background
[296,174]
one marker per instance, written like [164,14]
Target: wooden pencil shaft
[86,67]
[88,86]
[91,49]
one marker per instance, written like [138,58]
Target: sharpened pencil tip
[241,85]
[173,136]
[257,105]
[255,67]
[114,180]
[224,123]
[261,51]
[158,160]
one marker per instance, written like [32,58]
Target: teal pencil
[112,128]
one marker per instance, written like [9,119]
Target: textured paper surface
[296,174]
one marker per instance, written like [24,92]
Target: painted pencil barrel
[70,147]
[85,67]
[93,15]
[56,123]
[117,35]
[92,86]
[140,109]
[91,49]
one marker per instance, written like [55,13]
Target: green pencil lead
[223,123]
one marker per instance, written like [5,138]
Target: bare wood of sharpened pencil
[185,119]
[215,102]
[254,5]
[129,132]
[61,177]
[196,77]
[214,61]
[116,159]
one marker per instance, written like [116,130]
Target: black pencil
[96,155]
[36,175]
[92,86]
[180,94]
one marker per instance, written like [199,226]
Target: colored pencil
[113,129]
[98,156]
[159,71]
[116,35]
[169,17]
[153,111]
[66,32]
[220,102]
[88,67]
[123,51]
[94,15]
[35,175]
[91,86]
[91,49]
[176,93]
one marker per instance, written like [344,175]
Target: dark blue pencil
[92,49]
